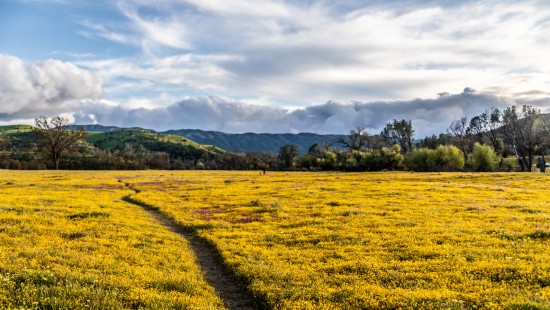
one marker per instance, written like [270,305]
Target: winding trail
[215,273]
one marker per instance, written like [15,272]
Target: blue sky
[271,65]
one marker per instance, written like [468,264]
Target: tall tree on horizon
[461,136]
[526,132]
[399,132]
[358,139]
[288,154]
[56,137]
[493,121]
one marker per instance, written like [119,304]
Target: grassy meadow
[297,240]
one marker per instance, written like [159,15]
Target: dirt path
[214,272]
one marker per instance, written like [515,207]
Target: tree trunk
[542,164]
[56,161]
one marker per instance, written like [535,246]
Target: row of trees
[494,140]
[442,158]
[520,132]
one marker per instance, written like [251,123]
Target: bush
[447,158]
[374,160]
[444,158]
[419,160]
[483,158]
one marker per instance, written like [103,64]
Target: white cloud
[99,30]
[315,51]
[159,31]
[51,86]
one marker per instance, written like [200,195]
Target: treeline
[495,140]
[85,156]
[508,140]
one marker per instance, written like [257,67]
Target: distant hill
[101,128]
[246,142]
[9,129]
[22,137]
[17,137]
[174,145]
[256,142]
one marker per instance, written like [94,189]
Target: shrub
[483,158]
[447,158]
[375,160]
[444,158]
[419,160]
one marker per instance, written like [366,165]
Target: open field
[68,241]
[297,240]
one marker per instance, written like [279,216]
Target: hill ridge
[237,142]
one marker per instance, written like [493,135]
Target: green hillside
[117,140]
[16,128]
[119,149]
[174,145]
[20,137]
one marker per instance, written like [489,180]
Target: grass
[297,240]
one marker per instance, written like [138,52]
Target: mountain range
[245,142]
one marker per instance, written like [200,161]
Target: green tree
[288,154]
[55,137]
[317,150]
[3,140]
[419,160]
[433,141]
[399,132]
[477,127]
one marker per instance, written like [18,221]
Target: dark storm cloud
[429,116]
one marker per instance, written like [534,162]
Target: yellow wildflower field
[371,240]
[68,241]
[297,240]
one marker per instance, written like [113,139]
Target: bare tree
[485,128]
[493,122]
[525,131]
[357,139]
[56,137]
[460,135]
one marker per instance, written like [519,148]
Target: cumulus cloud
[429,116]
[46,87]
[314,51]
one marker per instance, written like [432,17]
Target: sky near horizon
[271,65]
